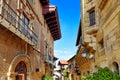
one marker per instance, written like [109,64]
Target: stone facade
[108,53]
[26,41]
[73,71]
[84,65]
[100,33]
[86,40]
[63,65]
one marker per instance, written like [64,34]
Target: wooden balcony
[11,21]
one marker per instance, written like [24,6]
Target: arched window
[88,72]
[21,71]
[115,66]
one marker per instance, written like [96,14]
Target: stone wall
[109,25]
[13,49]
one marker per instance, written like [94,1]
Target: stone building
[73,71]
[28,29]
[108,34]
[83,60]
[99,33]
[86,39]
[62,64]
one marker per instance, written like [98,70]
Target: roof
[79,34]
[63,62]
[51,16]
[72,58]
[55,58]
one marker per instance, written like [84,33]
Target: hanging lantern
[84,53]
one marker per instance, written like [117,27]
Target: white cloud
[65,54]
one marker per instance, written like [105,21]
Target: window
[25,23]
[115,66]
[46,49]
[101,44]
[25,20]
[92,17]
[70,66]
[88,72]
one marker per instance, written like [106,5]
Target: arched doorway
[115,66]
[14,71]
[21,71]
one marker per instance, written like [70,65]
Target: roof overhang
[79,34]
[51,17]
[55,58]
[72,58]
[44,2]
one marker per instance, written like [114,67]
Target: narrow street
[59,40]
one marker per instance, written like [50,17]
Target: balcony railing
[8,14]
[49,59]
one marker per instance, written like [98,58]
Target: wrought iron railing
[49,59]
[13,19]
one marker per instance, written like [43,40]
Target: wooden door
[21,70]
[20,77]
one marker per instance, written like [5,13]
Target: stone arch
[114,63]
[17,59]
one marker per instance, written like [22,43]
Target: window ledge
[92,30]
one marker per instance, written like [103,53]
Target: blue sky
[69,17]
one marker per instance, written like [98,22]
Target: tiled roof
[63,62]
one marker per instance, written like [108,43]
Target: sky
[69,18]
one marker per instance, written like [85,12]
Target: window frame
[92,17]
[25,24]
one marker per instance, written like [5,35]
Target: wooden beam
[51,22]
